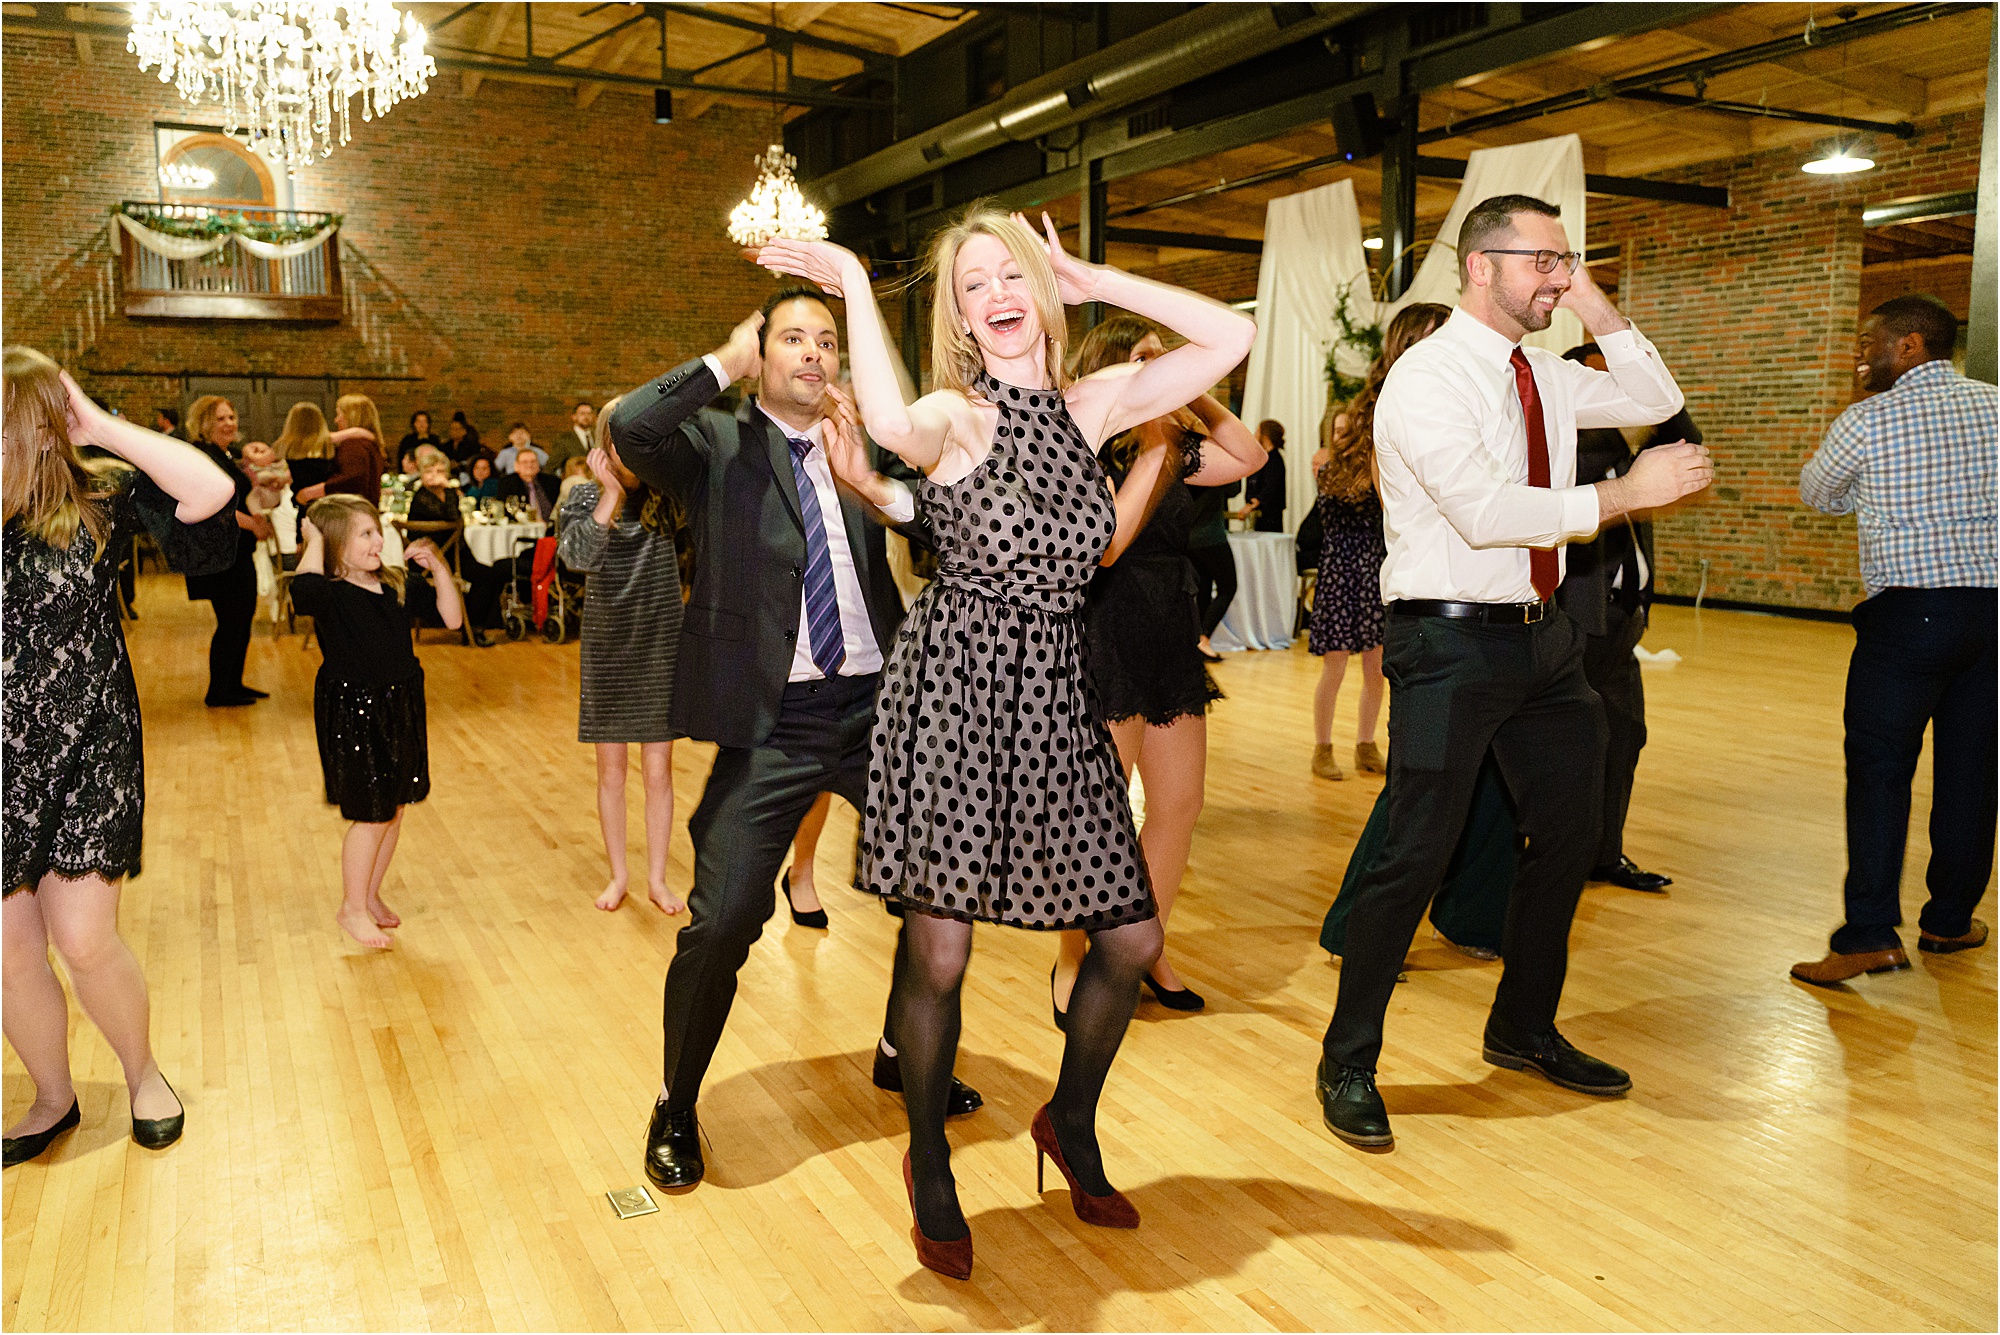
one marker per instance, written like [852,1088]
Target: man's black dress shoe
[962,1099]
[1352,1108]
[20,1149]
[1625,874]
[673,1148]
[256,694]
[1553,1055]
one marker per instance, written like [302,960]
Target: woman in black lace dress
[75,778]
[1143,628]
[994,795]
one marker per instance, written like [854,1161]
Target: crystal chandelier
[775,207]
[285,70]
[186,176]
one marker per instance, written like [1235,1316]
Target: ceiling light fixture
[1372,243]
[285,70]
[186,176]
[775,207]
[1837,160]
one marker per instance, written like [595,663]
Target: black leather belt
[1493,614]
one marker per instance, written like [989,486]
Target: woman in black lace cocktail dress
[994,795]
[75,776]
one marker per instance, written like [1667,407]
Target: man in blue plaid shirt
[1916,464]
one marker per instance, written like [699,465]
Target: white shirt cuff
[1622,345]
[721,376]
[904,508]
[1581,514]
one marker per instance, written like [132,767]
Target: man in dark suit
[1607,590]
[792,613]
[530,485]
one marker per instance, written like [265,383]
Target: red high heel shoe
[1112,1211]
[952,1259]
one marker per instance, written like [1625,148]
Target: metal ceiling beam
[595,38]
[1622,187]
[541,69]
[1929,208]
[1901,129]
[1538,40]
[1139,236]
[778,37]
[1706,67]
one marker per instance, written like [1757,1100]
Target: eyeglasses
[1545,260]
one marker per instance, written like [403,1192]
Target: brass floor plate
[632,1202]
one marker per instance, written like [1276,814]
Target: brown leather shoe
[1945,945]
[1324,765]
[1838,968]
[1368,760]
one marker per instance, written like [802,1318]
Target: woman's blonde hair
[956,361]
[46,485]
[1348,475]
[201,415]
[335,518]
[305,435]
[359,410]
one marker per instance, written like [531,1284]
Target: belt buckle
[1534,612]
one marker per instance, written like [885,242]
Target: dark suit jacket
[735,480]
[513,488]
[1586,593]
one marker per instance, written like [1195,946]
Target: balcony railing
[231,284]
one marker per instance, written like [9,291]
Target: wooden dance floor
[422,1139]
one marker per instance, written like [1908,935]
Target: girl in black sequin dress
[995,795]
[74,763]
[368,701]
[1143,627]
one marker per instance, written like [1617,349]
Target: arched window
[214,169]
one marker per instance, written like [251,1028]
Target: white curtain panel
[1548,169]
[1312,249]
[186,248]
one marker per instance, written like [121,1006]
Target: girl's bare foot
[357,924]
[665,900]
[41,1115]
[383,915]
[613,896]
[154,1099]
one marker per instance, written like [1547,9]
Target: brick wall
[1755,311]
[513,252]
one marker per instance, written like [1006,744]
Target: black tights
[924,1024]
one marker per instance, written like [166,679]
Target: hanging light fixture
[775,207]
[186,176]
[285,71]
[1838,159]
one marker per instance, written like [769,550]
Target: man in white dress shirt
[1475,437]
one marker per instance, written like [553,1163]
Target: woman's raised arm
[181,470]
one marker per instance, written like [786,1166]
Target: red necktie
[1542,570]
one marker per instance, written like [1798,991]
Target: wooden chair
[449,539]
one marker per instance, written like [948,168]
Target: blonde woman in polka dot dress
[994,795]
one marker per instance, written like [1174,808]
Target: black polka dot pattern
[993,794]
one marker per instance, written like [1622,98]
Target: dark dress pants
[1215,583]
[749,813]
[1921,656]
[234,597]
[1612,671]
[1457,690]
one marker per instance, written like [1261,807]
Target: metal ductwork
[1197,43]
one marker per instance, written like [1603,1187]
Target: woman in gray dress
[620,533]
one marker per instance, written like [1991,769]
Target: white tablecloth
[493,543]
[1267,584]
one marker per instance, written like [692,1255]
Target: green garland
[1364,338]
[225,223]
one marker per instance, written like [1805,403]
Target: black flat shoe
[1056,1013]
[1352,1108]
[256,694]
[816,918]
[1175,998]
[1209,655]
[961,1099]
[479,640]
[673,1148]
[20,1149]
[229,701]
[156,1133]
[1553,1056]
[1626,875]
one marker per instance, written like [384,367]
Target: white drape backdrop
[187,248]
[1312,249]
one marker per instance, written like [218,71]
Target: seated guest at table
[1347,609]
[1214,563]
[435,501]
[575,471]
[479,481]
[1607,590]
[461,441]
[517,437]
[167,421]
[1264,490]
[419,435]
[357,453]
[531,485]
[573,442]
